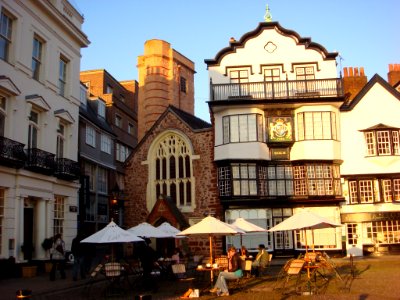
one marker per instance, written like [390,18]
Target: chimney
[354,80]
[394,74]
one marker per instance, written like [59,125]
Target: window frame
[90,136]
[37,54]
[62,75]
[33,129]
[105,143]
[6,35]
[378,145]
[240,128]
[313,125]
[59,214]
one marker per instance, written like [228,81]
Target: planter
[29,271]
[47,267]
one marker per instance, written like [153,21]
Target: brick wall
[354,80]
[204,169]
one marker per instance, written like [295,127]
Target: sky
[365,33]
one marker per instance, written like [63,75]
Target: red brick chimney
[353,81]
[394,74]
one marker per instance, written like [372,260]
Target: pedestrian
[77,250]
[58,257]
[233,272]
[147,257]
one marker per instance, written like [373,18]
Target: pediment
[38,102]
[64,115]
[8,87]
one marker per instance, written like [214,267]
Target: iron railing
[279,90]
[11,152]
[67,169]
[40,161]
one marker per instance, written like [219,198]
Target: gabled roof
[196,124]
[306,41]
[159,211]
[191,120]
[376,79]
[379,126]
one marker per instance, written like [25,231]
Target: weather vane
[267,16]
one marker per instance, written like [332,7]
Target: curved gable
[234,45]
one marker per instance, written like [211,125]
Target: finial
[267,16]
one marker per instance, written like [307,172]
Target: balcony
[40,161]
[67,169]
[11,153]
[296,90]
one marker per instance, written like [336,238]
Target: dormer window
[109,89]
[101,109]
[381,140]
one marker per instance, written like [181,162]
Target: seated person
[176,256]
[261,260]
[244,253]
[234,272]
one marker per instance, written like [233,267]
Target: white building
[275,101]
[371,166]
[40,43]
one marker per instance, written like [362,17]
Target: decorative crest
[267,16]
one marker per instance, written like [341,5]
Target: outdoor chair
[222,261]
[179,271]
[113,273]
[291,269]
[92,279]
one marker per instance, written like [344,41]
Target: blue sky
[364,32]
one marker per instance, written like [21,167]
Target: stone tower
[166,77]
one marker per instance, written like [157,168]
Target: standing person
[261,260]
[58,257]
[234,272]
[147,257]
[77,250]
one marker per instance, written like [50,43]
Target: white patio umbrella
[304,220]
[110,234]
[247,227]
[210,226]
[149,231]
[170,230]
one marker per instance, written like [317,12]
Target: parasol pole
[305,235]
[211,261]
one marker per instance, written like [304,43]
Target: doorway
[27,246]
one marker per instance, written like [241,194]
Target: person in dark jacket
[77,250]
[234,272]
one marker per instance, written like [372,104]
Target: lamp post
[116,205]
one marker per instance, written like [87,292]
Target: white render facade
[40,97]
[371,169]
[275,100]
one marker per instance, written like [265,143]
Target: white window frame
[101,109]
[6,34]
[59,214]
[102,180]
[316,125]
[242,128]
[62,75]
[33,130]
[105,144]
[90,136]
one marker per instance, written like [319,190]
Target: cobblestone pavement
[371,278]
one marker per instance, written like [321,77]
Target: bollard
[23,294]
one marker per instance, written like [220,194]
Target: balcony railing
[67,169]
[11,153]
[40,161]
[278,90]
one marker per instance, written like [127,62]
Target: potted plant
[28,270]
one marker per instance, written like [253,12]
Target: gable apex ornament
[267,16]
